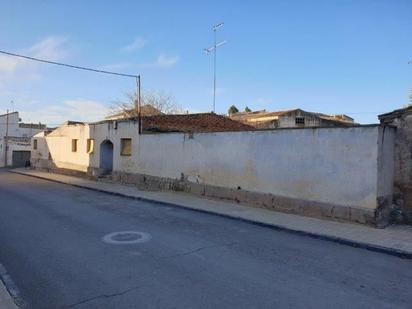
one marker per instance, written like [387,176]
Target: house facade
[343,173]
[112,145]
[15,139]
[294,118]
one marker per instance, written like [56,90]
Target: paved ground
[51,245]
[394,239]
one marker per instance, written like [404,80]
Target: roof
[10,113]
[192,123]
[37,126]
[263,115]
[145,110]
[260,114]
[72,123]
[396,113]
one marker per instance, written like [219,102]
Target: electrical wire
[67,65]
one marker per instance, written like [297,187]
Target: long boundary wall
[339,173]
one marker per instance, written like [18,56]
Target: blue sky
[326,56]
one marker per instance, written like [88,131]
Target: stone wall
[402,120]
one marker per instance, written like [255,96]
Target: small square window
[126,147]
[35,144]
[90,145]
[300,120]
[74,145]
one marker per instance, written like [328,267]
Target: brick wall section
[402,120]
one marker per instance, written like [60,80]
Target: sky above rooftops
[335,57]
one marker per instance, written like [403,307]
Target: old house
[294,118]
[15,139]
[106,145]
[343,173]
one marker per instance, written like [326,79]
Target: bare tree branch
[160,101]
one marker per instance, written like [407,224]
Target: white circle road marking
[126,238]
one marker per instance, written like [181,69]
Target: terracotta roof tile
[193,123]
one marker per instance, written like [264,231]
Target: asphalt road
[51,243]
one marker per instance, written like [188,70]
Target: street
[53,245]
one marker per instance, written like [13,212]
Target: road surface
[53,245]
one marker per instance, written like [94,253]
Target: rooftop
[396,113]
[192,123]
[264,115]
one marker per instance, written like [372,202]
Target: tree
[163,102]
[232,110]
[247,109]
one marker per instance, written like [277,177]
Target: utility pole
[138,103]
[6,138]
[410,90]
[214,49]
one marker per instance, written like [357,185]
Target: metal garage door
[19,158]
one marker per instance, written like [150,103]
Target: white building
[345,173]
[15,139]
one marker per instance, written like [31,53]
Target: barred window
[35,144]
[300,120]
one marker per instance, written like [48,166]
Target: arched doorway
[106,157]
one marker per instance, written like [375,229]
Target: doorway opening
[106,157]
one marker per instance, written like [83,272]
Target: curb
[343,241]
[11,289]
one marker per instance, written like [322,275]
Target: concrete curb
[9,293]
[341,240]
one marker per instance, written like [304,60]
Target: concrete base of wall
[376,218]
[402,200]
[407,204]
[49,166]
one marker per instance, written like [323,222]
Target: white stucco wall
[9,124]
[59,145]
[341,166]
[336,165]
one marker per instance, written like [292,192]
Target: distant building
[294,118]
[15,139]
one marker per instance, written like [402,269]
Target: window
[74,145]
[35,144]
[126,147]
[300,120]
[90,145]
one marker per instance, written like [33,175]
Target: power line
[67,65]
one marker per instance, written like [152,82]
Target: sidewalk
[6,301]
[394,240]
